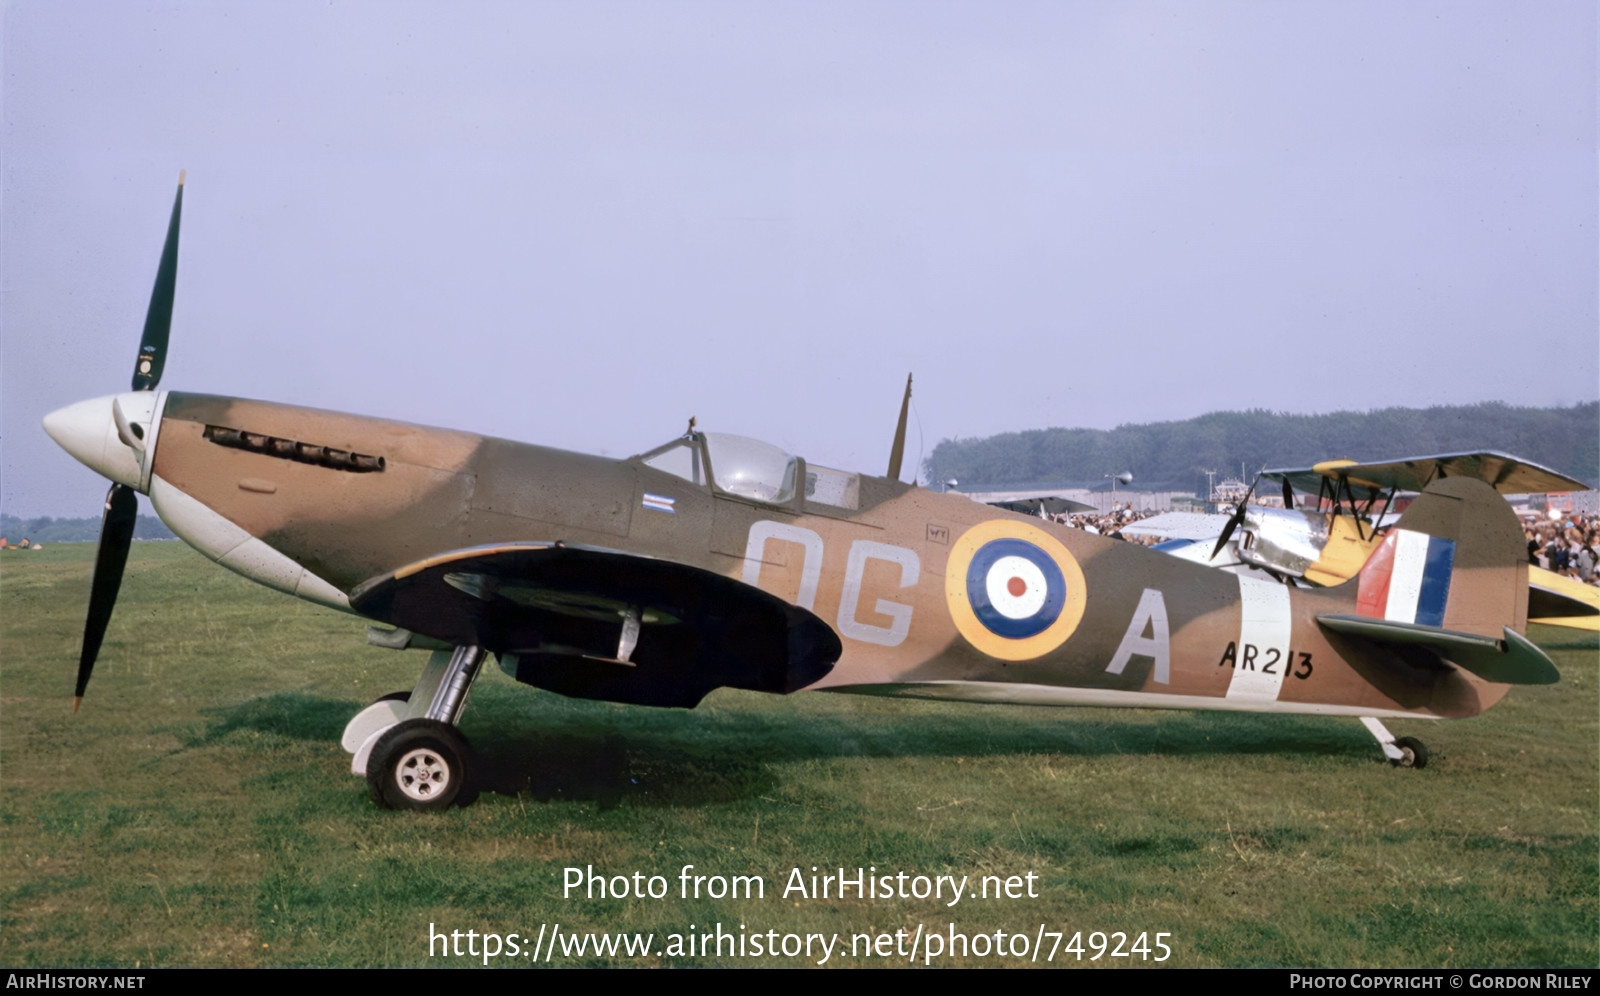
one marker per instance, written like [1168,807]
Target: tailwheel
[1412,753]
[419,764]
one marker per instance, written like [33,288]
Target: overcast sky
[580,223]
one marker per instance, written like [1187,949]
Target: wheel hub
[422,774]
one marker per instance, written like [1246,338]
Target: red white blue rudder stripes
[1407,579]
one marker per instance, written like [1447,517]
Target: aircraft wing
[1031,502]
[1506,473]
[1196,526]
[1561,601]
[596,623]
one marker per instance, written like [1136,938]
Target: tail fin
[1456,560]
[1452,576]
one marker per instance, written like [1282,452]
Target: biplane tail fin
[1452,577]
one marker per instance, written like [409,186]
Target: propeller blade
[116,535]
[899,448]
[1227,530]
[1288,494]
[158,320]
[1237,518]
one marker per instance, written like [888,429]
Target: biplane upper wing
[1506,473]
[602,624]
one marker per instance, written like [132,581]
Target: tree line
[1174,456]
[45,529]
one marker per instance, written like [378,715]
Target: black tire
[419,764]
[1413,753]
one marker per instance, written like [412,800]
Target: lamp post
[1125,478]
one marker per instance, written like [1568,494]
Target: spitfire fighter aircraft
[718,561]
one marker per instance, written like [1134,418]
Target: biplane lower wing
[1561,601]
[594,623]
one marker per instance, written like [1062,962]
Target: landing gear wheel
[1412,753]
[419,764]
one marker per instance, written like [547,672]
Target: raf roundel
[1013,590]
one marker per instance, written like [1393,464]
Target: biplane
[713,561]
[1326,540]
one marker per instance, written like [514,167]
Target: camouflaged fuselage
[931,594]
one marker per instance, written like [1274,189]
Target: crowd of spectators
[1567,545]
[1111,523]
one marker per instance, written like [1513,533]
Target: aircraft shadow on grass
[686,760]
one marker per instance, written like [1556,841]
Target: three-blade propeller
[122,507]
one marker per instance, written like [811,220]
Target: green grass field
[199,811]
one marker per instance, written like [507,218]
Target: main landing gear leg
[1407,752]
[408,746]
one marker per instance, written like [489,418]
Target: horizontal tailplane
[1511,660]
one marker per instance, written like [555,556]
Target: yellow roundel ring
[1014,591]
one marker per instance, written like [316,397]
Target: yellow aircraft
[718,561]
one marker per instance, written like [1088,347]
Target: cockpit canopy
[750,468]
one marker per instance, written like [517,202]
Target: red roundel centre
[1017,587]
